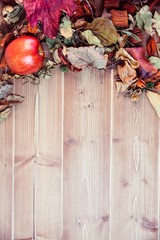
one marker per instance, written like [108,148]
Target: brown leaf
[104,29]
[126,73]
[151,46]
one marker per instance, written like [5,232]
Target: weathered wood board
[79,161]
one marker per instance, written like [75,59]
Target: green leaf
[144,19]
[155,61]
[65,28]
[104,29]
[130,34]
[91,38]
[156,22]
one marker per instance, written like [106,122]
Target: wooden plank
[86,155]
[49,158]
[6,177]
[134,170]
[24,162]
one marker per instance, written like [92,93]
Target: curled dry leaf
[154,99]
[125,56]
[5,114]
[87,56]
[145,69]
[12,99]
[151,46]
[126,73]
[121,87]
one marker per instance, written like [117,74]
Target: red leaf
[48,12]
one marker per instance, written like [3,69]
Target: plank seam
[111,153]
[62,154]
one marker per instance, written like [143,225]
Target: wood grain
[49,158]
[86,155]
[134,170]
[6,178]
[24,162]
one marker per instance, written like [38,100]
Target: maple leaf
[48,13]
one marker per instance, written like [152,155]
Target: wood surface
[79,162]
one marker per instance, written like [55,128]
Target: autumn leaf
[87,56]
[48,13]
[154,99]
[121,86]
[125,56]
[126,73]
[104,29]
[155,61]
[91,38]
[151,46]
[4,114]
[5,89]
[144,19]
[65,28]
[156,22]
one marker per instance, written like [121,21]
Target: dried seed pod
[119,18]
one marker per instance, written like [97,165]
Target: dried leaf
[4,114]
[104,29]
[156,22]
[125,56]
[155,61]
[65,28]
[121,87]
[154,99]
[151,46]
[87,56]
[126,73]
[144,19]
[91,38]
[146,69]
[14,98]
[5,89]
[48,13]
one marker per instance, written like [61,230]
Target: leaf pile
[124,36]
